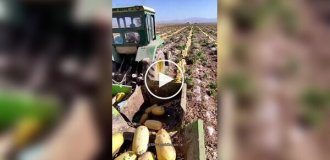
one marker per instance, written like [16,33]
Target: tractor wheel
[159,67]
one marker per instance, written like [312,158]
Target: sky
[175,9]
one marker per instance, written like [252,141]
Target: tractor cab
[133,27]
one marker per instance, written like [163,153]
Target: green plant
[212,85]
[212,92]
[189,81]
[212,89]
[181,47]
[203,59]
[199,54]
[315,102]
[203,42]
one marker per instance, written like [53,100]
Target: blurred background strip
[52,97]
[276,69]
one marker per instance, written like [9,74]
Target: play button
[164,79]
[164,86]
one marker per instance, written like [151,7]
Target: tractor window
[132,37]
[153,26]
[118,23]
[137,21]
[148,28]
[128,21]
[121,23]
[133,22]
[115,23]
[117,38]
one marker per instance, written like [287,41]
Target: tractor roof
[133,9]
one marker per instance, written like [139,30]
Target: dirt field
[194,48]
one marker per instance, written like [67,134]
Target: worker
[132,25]
[118,40]
[132,37]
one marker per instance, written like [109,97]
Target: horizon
[166,12]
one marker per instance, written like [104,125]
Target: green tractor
[135,45]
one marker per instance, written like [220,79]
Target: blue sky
[175,9]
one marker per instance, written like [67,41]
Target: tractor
[134,48]
[135,45]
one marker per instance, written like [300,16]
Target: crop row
[212,34]
[168,29]
[201,65]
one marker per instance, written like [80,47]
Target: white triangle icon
[163,79]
